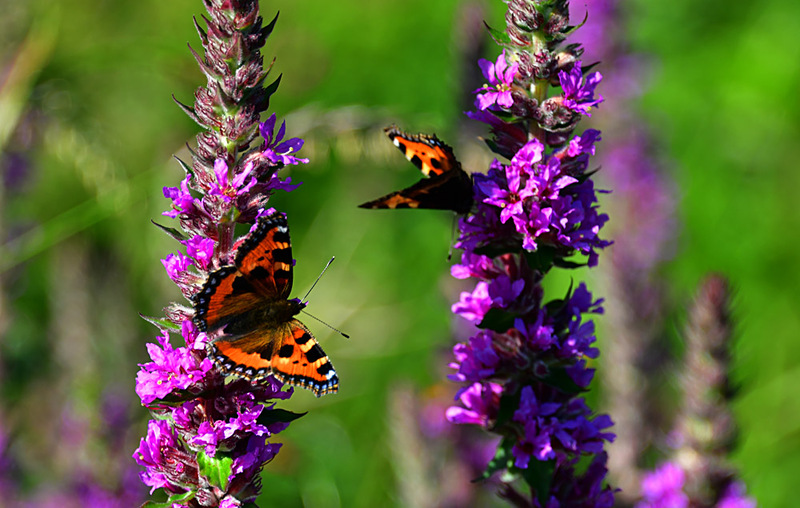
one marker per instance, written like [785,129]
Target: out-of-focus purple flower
[501,79]
[171,369]
[734,497]
[577,92]
[663,488]
[275,149]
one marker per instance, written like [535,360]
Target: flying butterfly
[447,186]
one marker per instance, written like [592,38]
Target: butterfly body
[246,307]
[448,186]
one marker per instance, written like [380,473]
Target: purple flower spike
[207,442]
[524,368]
[501,79]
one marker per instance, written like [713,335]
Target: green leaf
[559,378]
[174,233]
[563,263]
[508,405]
[269,416]
[177,498]
[496,149]
[495,250]
[266,31]
[216,469]
[503,459]
[187,168]
[161,323]
[539,476]
[271,89]
[499,37]
[542,259]
[498,320]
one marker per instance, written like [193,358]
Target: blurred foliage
[95,129]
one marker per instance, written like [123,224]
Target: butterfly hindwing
[248,303]
[448,187]
[428,153]
[289,352]
[301,361]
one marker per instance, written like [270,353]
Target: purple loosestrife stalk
[208,440]
[698,474]
[525,368]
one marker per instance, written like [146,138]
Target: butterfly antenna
[318,278]
[326,324]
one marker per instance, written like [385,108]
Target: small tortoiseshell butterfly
[248,302]
[448,187]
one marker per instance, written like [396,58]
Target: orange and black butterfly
[248,303]
[448,187]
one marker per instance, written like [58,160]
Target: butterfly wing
[427,152]
[265,257]
[225,295]
[262,273]
[289,352]
[448,188]
[449,191]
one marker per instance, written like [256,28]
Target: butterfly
[448,187]
[248,302]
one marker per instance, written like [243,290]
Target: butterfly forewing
[226,295]
[265,257]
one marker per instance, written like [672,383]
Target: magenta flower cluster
[542,198]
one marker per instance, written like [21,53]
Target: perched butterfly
[448,187]
[248,302]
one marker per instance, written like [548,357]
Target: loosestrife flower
[526,365]
[209,440]
[501,77]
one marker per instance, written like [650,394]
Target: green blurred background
[88,128]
